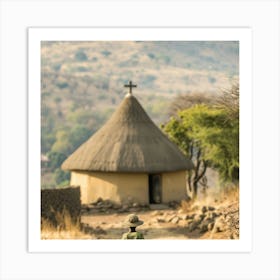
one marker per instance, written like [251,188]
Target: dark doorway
[154,188]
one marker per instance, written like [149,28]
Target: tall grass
[65,229]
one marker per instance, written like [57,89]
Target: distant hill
[157,67]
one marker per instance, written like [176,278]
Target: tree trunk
[195,187]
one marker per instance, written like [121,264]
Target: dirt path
[110,226]
[159,224]
[193,221]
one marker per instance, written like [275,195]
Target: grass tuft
[65,229]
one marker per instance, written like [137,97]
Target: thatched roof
[128,142]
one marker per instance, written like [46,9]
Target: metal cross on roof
[130,85]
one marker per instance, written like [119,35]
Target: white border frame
[262,16]
[243,35]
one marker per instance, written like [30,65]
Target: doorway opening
[155,189]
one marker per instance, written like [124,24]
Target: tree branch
[205,165]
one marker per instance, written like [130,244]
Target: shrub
[61,177]
[151,56]
[81,56]
[211,80]
[62,85]
[106,53]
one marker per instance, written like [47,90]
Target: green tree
[61,177]
[106,53]
[47,127]
[56,160]
[183,131]
[209,136]
[69,140]
[63,143]
[78,135]
[81,56]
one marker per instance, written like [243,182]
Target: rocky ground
[104,220]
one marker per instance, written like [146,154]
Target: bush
[151,56]
[55,159]
[62,85]
[81,56]
[106,53]
[57,67]
[61,176]
[211,80]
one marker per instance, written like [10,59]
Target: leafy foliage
[62,85]
[208,135]
[69,140]
[55,159]
[106,53]
[81,56]
[61,177]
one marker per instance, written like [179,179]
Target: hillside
[82,83]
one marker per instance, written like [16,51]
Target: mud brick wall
[56,200]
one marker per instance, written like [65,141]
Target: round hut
[129,157]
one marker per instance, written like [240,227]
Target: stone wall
[55,203]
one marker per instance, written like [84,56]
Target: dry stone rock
[99,230]
[193,226]
[170,218]
[210,226]
[99,200]
[125,207]
[175,220]
[189,222]
[202,216]
[190,217]
[184,217]
[204,209]
[213,215]
[203,227]
[155,213]
[220,224]
[197,218]
[160,220]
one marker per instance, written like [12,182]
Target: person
[132,221]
